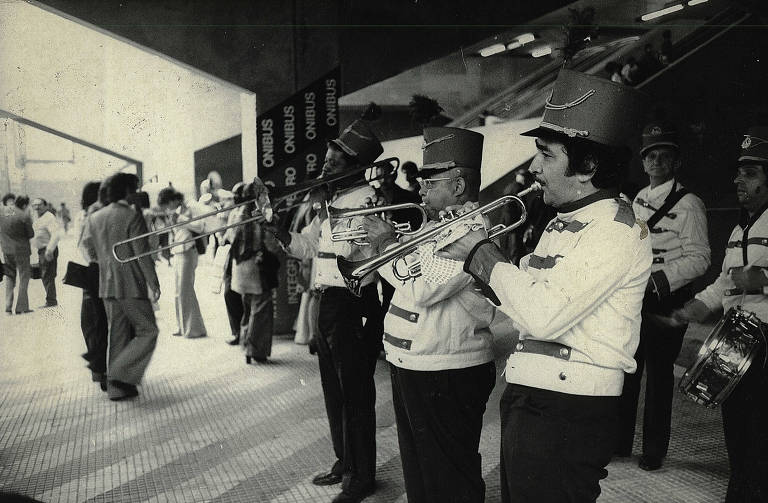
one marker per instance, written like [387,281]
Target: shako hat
[592,108]
[754,146]
[659,134]
[450,147]
[358,140]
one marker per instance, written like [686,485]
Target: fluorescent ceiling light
[696,2]
[527,37]
[492,49]
[514,45]
[541,51]
[662,12]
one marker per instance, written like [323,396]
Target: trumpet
[353,272]
[279,195]
[358,235]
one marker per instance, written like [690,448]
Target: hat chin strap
[578,101]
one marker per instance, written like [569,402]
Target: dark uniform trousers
[48,269]
[745,421]
[555,446]
[93,322]
[658,349]
[439,420]
[347,353]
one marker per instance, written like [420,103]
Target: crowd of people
[635,70]
[29,245]
[600,293]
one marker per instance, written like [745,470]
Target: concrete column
[248,115]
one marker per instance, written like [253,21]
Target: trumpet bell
[347,270]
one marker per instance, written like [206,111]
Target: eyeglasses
[428,183]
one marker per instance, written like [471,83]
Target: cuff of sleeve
[480,263]
[661,283]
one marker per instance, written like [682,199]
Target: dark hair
[237,192]
[168,195]
[7,197]
[104,191]
[120,185]
[410,169]
[21,202]
[472,180]
[90,194]
[584,156]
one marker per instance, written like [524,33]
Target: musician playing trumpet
[743,282]
[347,348]
[436,337]
[576,298]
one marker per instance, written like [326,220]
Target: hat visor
[751,159]
[538,131]
[658,144]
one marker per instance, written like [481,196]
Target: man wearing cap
[576,298]
[743,282]
[436,338]
[348,347]
[677,221]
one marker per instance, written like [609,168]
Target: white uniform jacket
[748,244]
[314,241]
[186,212]
[583,288]
[679,241]
[433,326]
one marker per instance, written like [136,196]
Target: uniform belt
[546,348]
[738,291]
[658,260]
[325,255]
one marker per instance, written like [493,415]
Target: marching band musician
[348,347]
[743,282]
[576,298]
[437,339]
[677,221]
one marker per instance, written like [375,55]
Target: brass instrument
[353,272]
[267,199]
[358,235]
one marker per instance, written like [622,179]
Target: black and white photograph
[408,251]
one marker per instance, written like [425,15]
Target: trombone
[281,195]
[358,235]
[353,272]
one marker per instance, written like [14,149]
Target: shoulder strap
[669,203]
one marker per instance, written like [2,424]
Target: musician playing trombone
[576,298]
[743,283]
[436,338]
[347,347]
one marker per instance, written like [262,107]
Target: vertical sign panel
[292,142]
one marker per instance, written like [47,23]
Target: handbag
[80,276]
[36,273]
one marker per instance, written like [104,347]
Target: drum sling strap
[671,200]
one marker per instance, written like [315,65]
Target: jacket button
[412,317]
[564,352]
[520,346]
[562,376]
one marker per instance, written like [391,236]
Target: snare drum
[723,359]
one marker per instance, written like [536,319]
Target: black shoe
[326,479]
[649,463]
[353,497]
[9,311]
[176,334]
[119,390]
[54,304]
[234,342]
[25,312]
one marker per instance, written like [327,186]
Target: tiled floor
[207,427]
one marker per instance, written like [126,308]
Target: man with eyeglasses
[677,221]
[350,326]
[437,339]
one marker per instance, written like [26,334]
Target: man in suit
[128,290]
[15,233]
